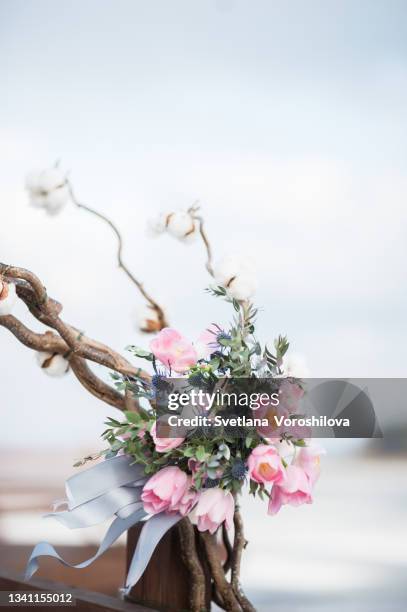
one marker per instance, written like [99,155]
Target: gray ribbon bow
[110,488]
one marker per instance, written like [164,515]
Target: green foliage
[218,460]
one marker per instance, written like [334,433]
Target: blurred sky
[287,120]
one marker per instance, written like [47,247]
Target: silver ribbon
[110,488]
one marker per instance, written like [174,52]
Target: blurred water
[346,551]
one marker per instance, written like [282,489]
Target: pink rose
[214,506]
[167,490]
[295,490]
[172,349]
[265,464]
[162,445]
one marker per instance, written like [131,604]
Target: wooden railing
[86,601]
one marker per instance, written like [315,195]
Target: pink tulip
[162,445]
[207,342]
[214,506]
[295,490]
[187,501]
[265,464]
[165,490]
[309,460]
[173,350]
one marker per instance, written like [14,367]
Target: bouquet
[177,458]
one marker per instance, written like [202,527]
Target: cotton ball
[56,200]
[8,297]
[294,365]
[242,288]
[147,319]
[48,189]
[181,225]
[52,364]
[158,225]
[236,274]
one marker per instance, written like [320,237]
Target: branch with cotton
[53,364]
[179,224]
[236,274]
[61,345]
[48,189]
[51,190]
[195,475]
[184,225]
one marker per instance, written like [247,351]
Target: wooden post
[165,583]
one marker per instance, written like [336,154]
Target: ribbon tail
[119,526]
[152,532]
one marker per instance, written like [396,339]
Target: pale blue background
[286,119]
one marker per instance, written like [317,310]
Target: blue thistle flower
[210,483]
[238,470]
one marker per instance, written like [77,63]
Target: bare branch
[192,211]
[239,545]
[224,589]
[47,342]
[228,546]
[95,385]
[154,305]
[51,343]
[47,312]
[191,560]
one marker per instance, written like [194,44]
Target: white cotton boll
[226,268]
[56,200]
[158,225]
[237,275]
[33,181]
[242,287]
[147,319]
[51,179]
[232,266]
[8,297]
[181,225]
[48,189]
[52,364]
[295,365]
[37,201]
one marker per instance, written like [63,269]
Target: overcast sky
[287,120]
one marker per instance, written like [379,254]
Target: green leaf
[133,417]
[140,352]
[200,453]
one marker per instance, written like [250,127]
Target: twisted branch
[239,544]
[154,305]
[225,590]
[68,341]
[190,557]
